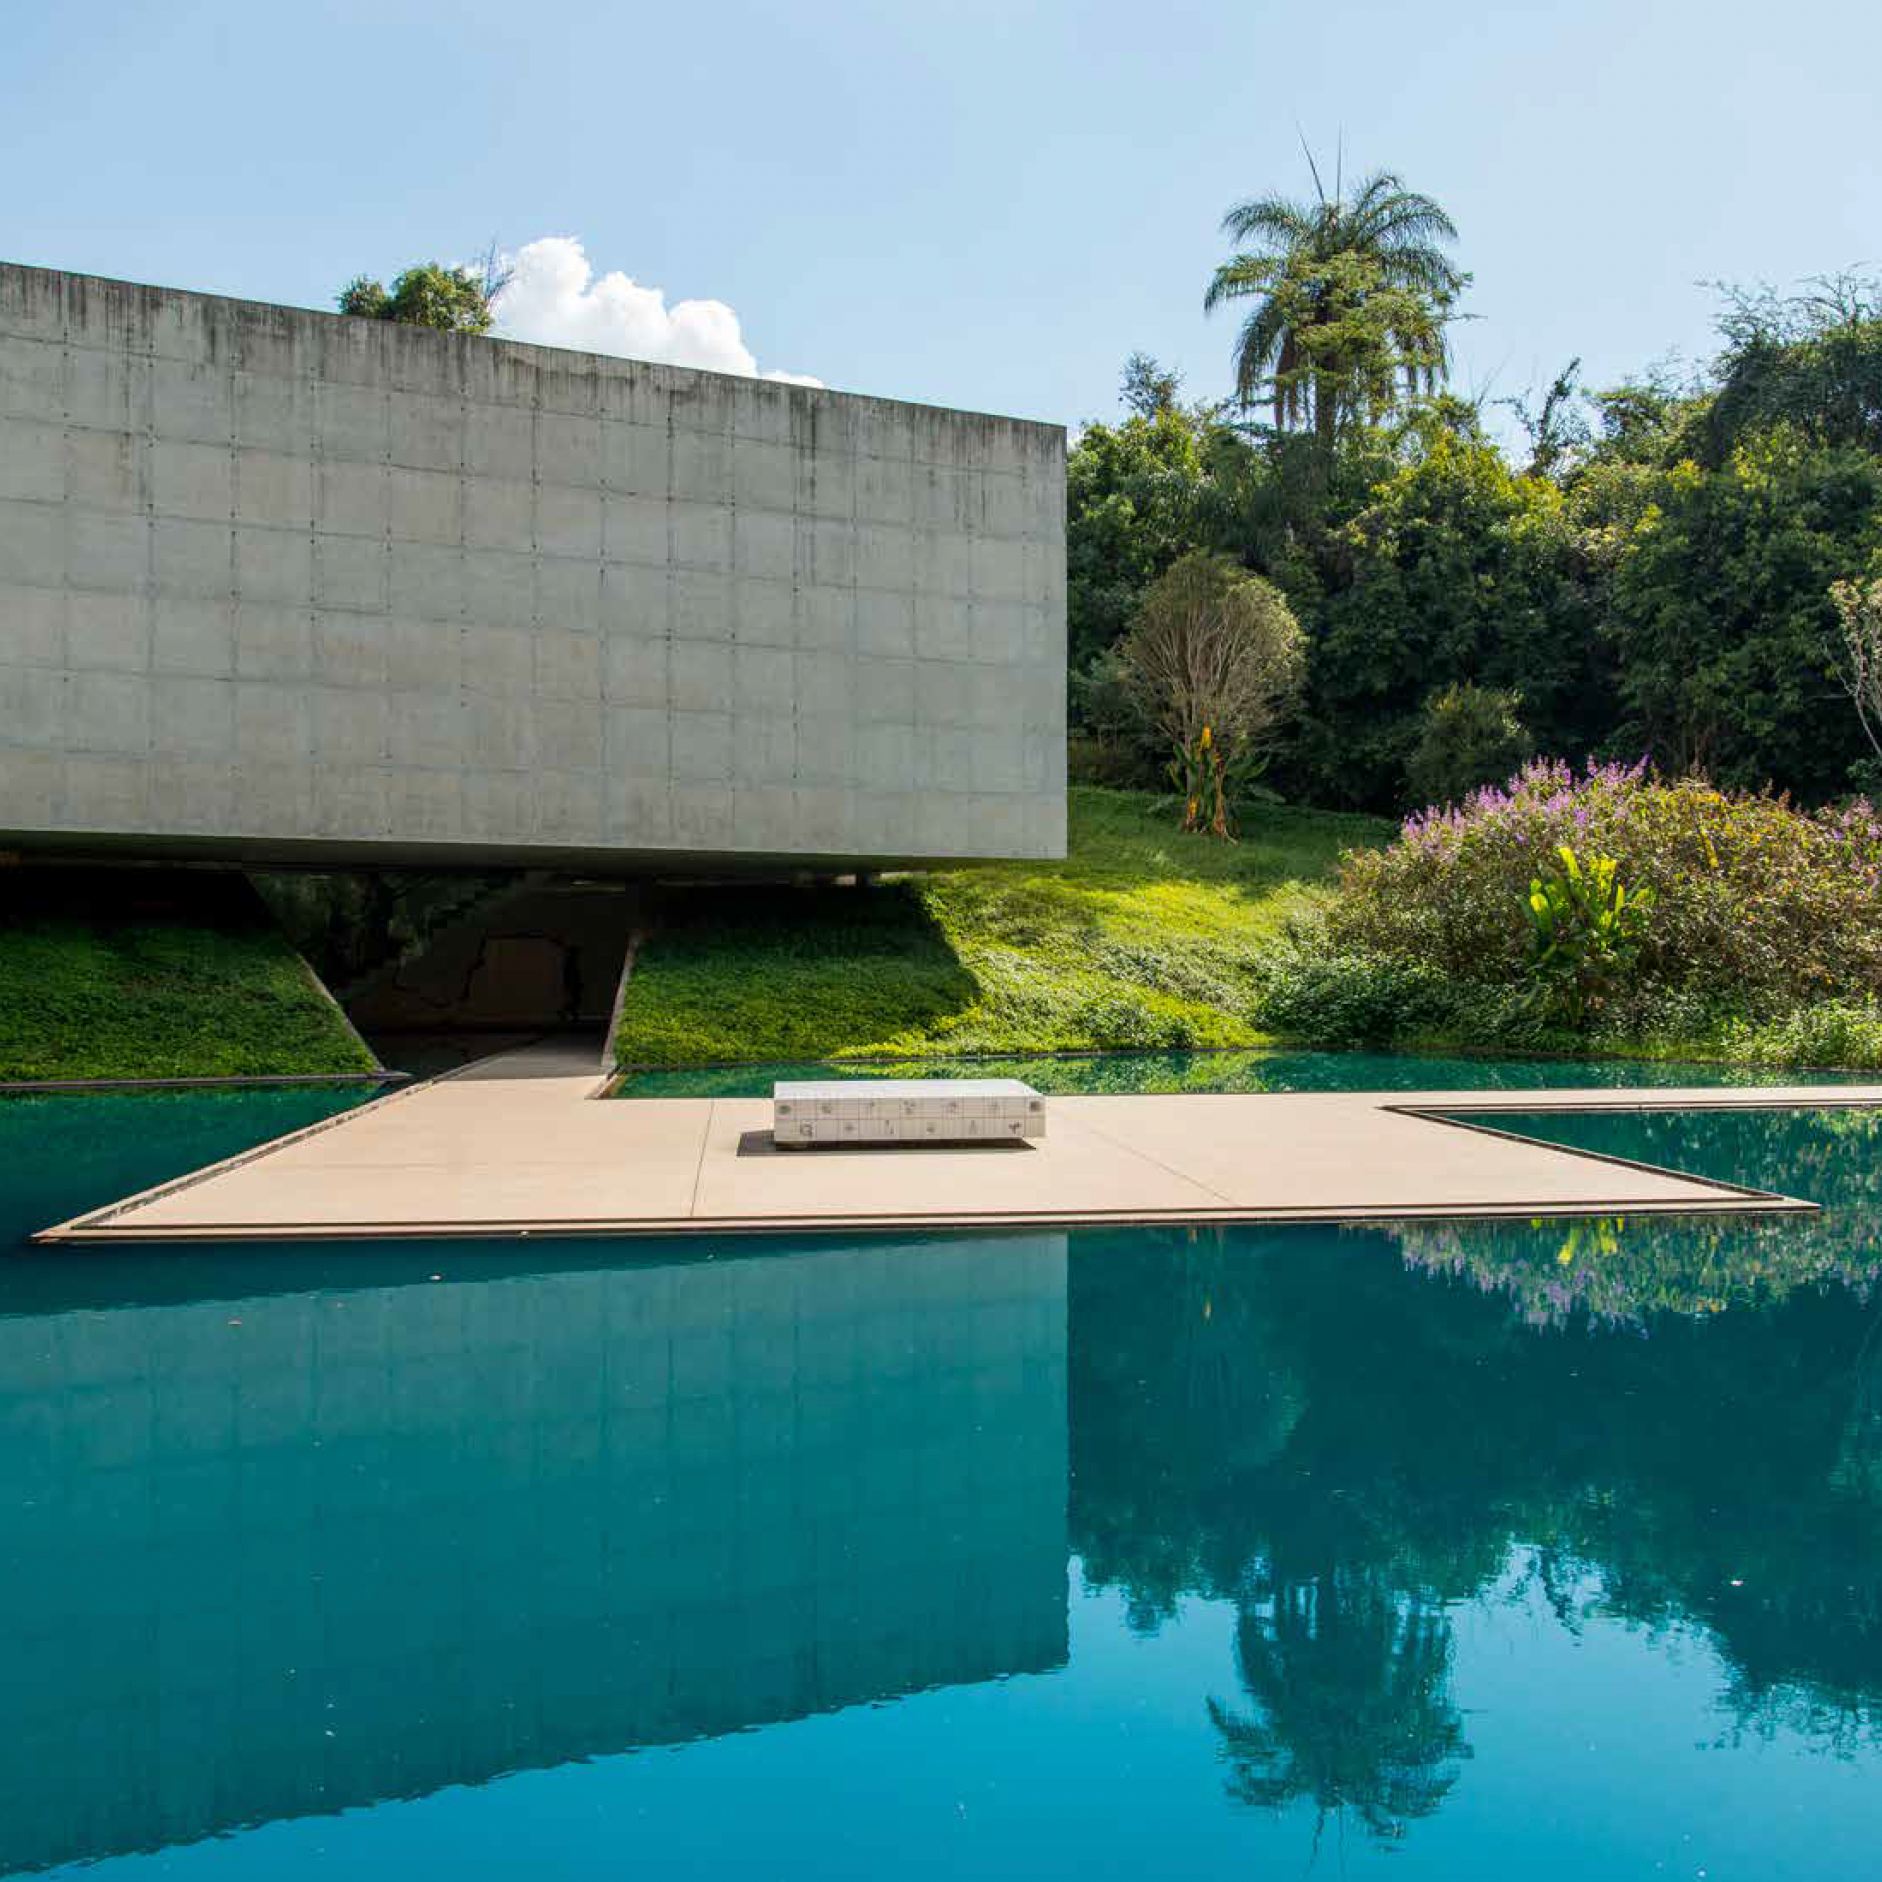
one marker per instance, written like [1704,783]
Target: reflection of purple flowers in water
[1620,1272]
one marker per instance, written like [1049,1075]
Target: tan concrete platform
[513,1145]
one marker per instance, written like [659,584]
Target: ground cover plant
[1142,937]
[113,978]
[1606,909]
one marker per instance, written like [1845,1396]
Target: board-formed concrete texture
[276,582]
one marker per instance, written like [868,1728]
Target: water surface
[1106,1073]
[1443,1551]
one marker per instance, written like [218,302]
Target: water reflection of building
[273,1556]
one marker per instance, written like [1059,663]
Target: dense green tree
[1720,615]
[1138,495]
[1720,513]
[1638,421]
[428,294]
[1809,362]
[1148,386]
[1459,570]
[1350,298]
[1653,573]
[1468,736]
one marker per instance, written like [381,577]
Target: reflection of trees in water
[1298,1422]
[1192,1470]
[1838,1722]
[1625,1269]
[1858,1472]
[1350,1679]
[1176,1411]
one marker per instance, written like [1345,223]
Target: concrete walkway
[514,1145]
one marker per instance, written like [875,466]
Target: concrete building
[546,1513]
[281,585]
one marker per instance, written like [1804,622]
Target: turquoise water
[1441,1551]
[1115,1072]
[62,1155]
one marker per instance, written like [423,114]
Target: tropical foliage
[1469,735]
[427,294]
[1349,298]
[1750,896]
[1139,495]
[1586,929]
[1672,566]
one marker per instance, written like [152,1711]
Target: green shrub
[1846,1034]
[1468,736]
[1345,1000]
[1757,905]
[1114,1021]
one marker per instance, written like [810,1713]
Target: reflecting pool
[1435,1551]
[1102,1073]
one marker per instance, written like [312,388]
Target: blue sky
[983,204]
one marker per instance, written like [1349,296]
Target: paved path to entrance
[516,1145]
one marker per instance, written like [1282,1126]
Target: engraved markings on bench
[906,1110]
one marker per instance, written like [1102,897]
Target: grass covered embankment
[155,974]
[1141,938]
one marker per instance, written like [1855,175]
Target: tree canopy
[1350,296]
[427,294]
[1649,570]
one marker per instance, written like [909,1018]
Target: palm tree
[1351,295]
[1351,1679]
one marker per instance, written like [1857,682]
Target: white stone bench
[905,1111]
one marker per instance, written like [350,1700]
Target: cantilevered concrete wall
[278,583]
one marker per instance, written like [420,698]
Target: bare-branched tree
[1211,660]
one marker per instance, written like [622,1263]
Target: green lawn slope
[138,974]
[1142,937]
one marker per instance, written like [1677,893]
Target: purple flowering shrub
[1756,904]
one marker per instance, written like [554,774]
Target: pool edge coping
[1458,1111]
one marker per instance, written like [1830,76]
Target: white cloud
[554,298]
